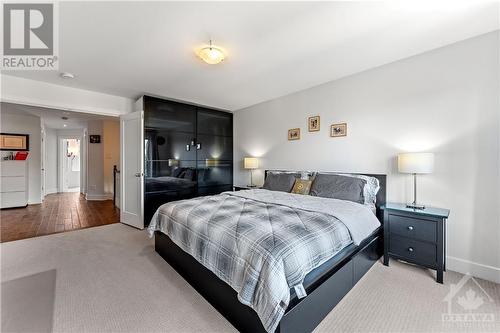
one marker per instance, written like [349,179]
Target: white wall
[50,160]
[111,146]
[37,93]
[24,124]
[444,101]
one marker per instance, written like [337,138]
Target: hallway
[58,213]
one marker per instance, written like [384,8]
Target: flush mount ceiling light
[67,75]
[211,54]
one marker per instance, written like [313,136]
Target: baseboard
[51,191]
[99,197]
[481,271]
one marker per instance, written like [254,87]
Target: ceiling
[274,48]
[52,117]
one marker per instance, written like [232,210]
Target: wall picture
[337,130]
[294,134]
[95,139]
[313,124]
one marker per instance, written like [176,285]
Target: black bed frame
[301,316]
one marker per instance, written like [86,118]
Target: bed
[320,289]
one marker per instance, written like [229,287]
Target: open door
[132,169]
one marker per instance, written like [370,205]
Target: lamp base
[414,205]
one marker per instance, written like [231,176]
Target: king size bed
[274,261]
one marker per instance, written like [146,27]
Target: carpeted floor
[109,279]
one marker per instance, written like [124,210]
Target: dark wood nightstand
[244,187]
[417,236]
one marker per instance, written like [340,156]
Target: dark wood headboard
[381,195]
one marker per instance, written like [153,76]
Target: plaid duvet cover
[259,242]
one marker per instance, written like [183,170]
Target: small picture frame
[338,130]
[294,134]
[313,124]
[95,139]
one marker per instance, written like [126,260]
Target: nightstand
[244,187]
[416,236]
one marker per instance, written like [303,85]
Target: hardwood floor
[58,213]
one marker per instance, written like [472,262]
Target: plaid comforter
[261,243]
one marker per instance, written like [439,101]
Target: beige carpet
[109,279]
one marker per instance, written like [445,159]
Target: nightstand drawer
[413,228]
[413,250]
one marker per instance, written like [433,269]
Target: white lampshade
[250,163]
[416,163]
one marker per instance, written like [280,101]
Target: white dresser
[13,184]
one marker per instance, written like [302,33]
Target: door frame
[60,161]
[43,160]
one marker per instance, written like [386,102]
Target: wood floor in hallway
[58,213]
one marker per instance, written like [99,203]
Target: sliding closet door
[215,151]
[169,153]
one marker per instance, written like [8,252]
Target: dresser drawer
[12,184]
[413,228]
[416,251]
[13,199]
[13,168]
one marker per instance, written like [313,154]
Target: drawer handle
[410,249]
[410,228]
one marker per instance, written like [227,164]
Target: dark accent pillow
[177,171]
[338,187]
[280,181]
[188,174]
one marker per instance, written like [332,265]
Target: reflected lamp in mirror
[415,163]
[251,163]
[173,162]
[211,162]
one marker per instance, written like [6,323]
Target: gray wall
[51,146]
[95,162]
[444,101]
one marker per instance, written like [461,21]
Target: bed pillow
[339,187]
[302,186]
[280,181]
[371,188]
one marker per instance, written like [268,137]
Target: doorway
[70,167]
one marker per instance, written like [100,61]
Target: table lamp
[251,163]
[415,163]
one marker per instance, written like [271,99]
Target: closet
[188,152]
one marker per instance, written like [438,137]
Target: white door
[132,169]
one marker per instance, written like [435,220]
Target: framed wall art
[337,130]
[313,124]
[294,134]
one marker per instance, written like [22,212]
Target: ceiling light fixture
[211,54]
[67,75]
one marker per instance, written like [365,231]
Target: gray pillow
[338,187]
[280,181]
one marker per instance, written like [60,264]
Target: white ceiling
[52,117]
[274,48]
